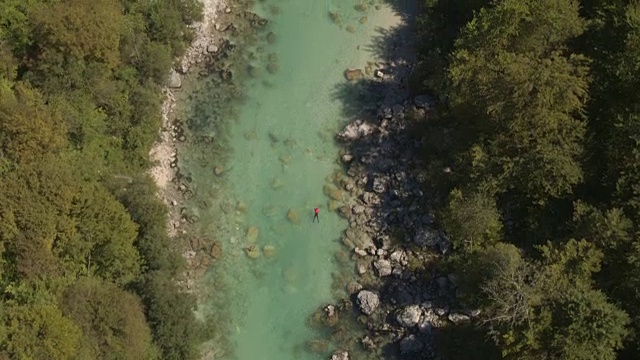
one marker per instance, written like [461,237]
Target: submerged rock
[293,216]
[277,183]
[269,251]
[252,234]
[252,251]
[353,74]
[318,346]
[368,301]
[218,170]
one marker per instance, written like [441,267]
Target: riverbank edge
[164,152]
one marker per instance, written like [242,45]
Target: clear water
[279,155]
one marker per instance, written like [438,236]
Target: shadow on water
[406,133]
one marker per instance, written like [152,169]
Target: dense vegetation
[541,107]
[86,268]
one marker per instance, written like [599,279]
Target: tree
[472,220]
[40,332]
[112,321]
[514,87]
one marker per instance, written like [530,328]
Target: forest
[540,109]
[87,270]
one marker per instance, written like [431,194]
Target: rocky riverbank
[396,293]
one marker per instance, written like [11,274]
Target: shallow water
[278,155]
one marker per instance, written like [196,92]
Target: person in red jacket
[315,216]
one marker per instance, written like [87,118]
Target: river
[276,155]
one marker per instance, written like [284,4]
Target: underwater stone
[271,37]
[272,67]
[241,206]
[293,216]
[363,20]
[216,250]
[277,183]
[218,170]
[269,211]
[317,346]
[252,234]
[286,159]
[269,251]
[353,74]
[350,29]
[361,7]
[252,251]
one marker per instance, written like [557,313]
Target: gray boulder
[458,318]
[368,301]
[340,355]
[409,316]
[383,267]
[174,80]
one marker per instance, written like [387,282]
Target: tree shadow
[394,131]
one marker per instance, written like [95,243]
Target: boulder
[353,74]
[409,316]
[457,318]
[293,216]
[252,234]
[252,251]
[340,355]
[353,287]
[269,251]
[212,49]
[174,80]
[368,301]
[383,267]
[378,185]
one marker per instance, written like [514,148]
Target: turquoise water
[278,154]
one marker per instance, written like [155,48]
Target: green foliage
[39,332]
[170,314]
[515,88]
[79,110]
[113,324]
[472,220]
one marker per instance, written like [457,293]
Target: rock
[273,67]
[383,267]
[218,170]
[286,159]
[379,74]
[340,355]
[293,216]
[353,74]
[174,80]
[216,250]
[363,20]
[252,234]
[269,251]
[425,237]
[453,279]
[442,282]
[361,268]
[398,256]
[368,343]
[353,287]
[409,316]
[474,312]
[349,133]
[361,6]
[271,37]
[457,318]
[241,206]
[378,185]
[331,314]
[371,199]
[423,101]
[410,344]
[269,211]
[360,252]
[252,251]
[336,194]
[212,49]
[350,29]
[368,301]
[347,158]
[358,209]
